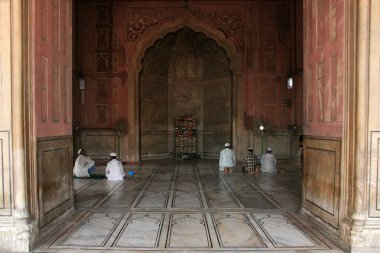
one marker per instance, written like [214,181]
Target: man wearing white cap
[268,161]
[227,161]
[114,169]
[84,165]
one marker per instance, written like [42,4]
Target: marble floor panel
[189,206]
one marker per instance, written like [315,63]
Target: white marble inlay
[226,224]
[142,230]
[159,186]
[282,231]
[187,199]
[94,231]
[221,199]
[190,185]
[119,199]
[153,199]
[188,231]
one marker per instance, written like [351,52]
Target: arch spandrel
[153,34]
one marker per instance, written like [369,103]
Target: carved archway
[146,41]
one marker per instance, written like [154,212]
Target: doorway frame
[133,86]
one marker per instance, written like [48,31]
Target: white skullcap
[227,145]
[113,154]
[80,150]
[269,149]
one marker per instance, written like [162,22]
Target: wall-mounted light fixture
[290,80]
[82,86]
[82,83]
[289,83]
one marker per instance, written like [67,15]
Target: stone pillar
[133,122]
[239,142]
[16,233]
[365,232]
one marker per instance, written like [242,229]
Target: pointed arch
[134,63]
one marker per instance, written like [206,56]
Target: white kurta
[268,163]
[227,159]
[114,170]
[82,164]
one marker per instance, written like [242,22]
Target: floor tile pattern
[188,206]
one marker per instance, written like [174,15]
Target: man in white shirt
[84,165]
[227,161]
[268,161]
[114,169]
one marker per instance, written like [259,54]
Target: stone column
[16,233]
[365,230]
[133,122]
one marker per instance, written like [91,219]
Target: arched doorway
[179,78]
[232,65]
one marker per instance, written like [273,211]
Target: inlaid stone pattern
[187,206]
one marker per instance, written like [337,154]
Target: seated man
[84,165]
[250,161]
[268,161]
[114,169]
[227,161]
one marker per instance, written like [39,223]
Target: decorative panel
[55,183]
[64,26]
[322,178]
[101,88]
[98,144]
[321,94]
[325,44]
[102,14]
[333,88]
[102,38]
[56,92]
[309,76]
[65,94]
[321,26]
[374,199]
[52,47]
[44,20]
[101,114]
[269,60]
[333,25]
[44,89]
[101,63]
[55,24]
[5,174]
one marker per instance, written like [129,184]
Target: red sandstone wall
[101,62]
[261,31]
[324,67]
[53,67]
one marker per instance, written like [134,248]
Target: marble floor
[188,206]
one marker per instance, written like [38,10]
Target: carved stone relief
[333,88]
[321,86]
[115,62]
[321,25]
[101,88]
[269,60]
[101,63]
[55,25]
[102,14]
[44,89]
[115,39]
[102,38]
[101,114]
[309,76]
[140,19]
[56,92]
[191,59]
[44,20]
